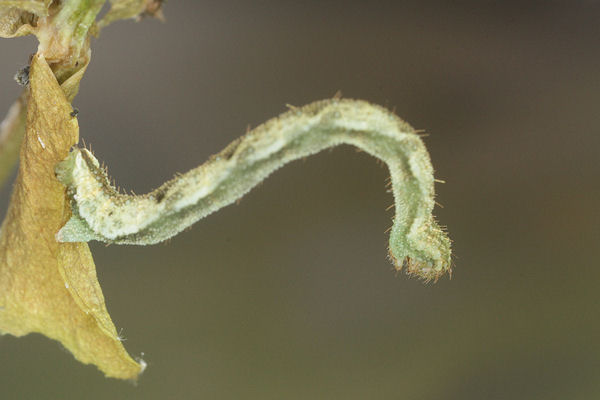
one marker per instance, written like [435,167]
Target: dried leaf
[17,16]
[39,7]
[12,129]
[125,9]
[46,286]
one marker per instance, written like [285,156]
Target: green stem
[75,19]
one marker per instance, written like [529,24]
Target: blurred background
[289,295]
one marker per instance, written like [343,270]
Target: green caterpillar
[417,243]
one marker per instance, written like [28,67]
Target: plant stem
[64,35]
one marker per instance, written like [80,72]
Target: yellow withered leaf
[12,130]
[45,286]
[19,17]
[125,9]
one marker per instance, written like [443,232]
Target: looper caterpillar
[101,213]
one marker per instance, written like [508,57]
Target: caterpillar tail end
[428,256]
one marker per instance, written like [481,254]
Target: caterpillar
[100,212]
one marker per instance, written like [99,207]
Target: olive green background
[289,295]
